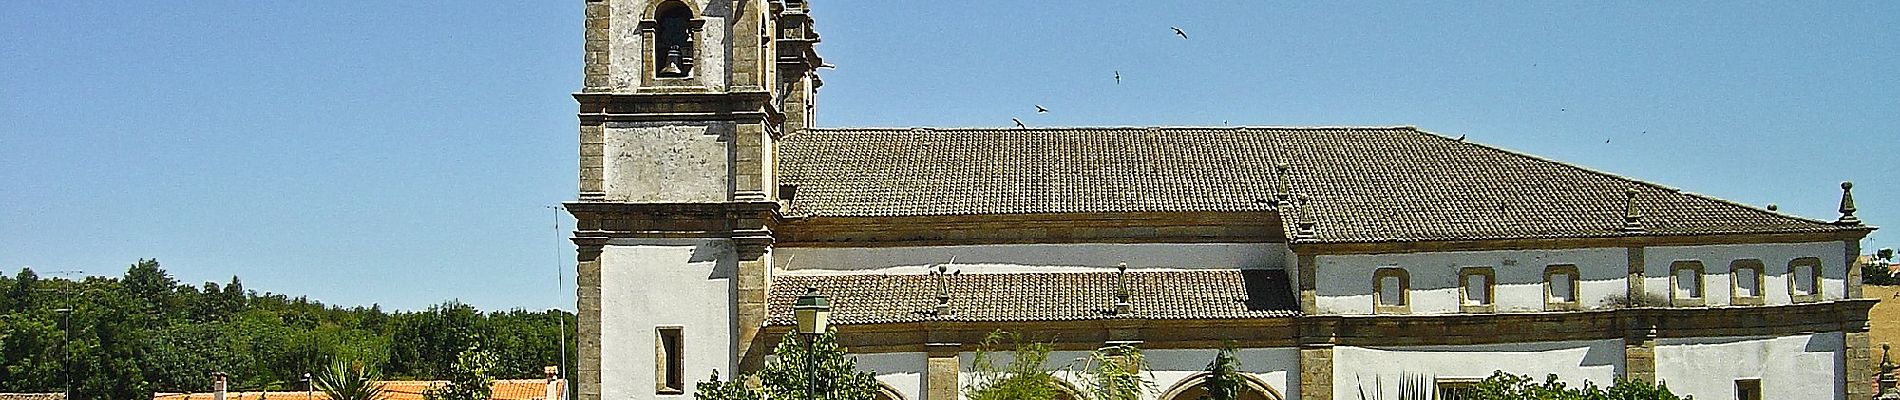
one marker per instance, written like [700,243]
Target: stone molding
[752,106]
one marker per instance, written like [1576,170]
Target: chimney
[553,391]
[219,383]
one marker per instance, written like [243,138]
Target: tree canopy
[146,332]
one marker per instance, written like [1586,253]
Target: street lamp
[813,312]
[66,348]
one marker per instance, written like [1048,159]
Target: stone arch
[1194,388]
[654,7]
[885,392]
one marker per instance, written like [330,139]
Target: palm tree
[350,380]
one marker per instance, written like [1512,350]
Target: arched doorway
[1195,388]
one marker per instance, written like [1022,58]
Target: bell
[672,62]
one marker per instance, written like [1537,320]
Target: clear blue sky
[402,152]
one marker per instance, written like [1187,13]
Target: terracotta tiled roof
[503,389]
[1367,184]
[32,396]
[873,298]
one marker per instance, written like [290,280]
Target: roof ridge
[1620,177]
[1111,127]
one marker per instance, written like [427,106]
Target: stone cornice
[676,106]
[1644,240]
[747,223]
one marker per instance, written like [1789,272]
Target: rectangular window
[1686,283]
[1391,291]
[1746,275]
[670,373]
[1475,289]
[1456,388]
[1804,280]
[1748,389]
[1560,287]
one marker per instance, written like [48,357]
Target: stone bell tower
[681,106]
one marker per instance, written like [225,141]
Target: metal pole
[66,348]
[811,369]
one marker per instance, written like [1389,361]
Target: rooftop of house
[503,389]
[1365,184]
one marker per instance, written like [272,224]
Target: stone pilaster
[1316,372]
[1859,354]
[1853,268]
[1639,352]
[593,145]
[752,282]
[940,374]
[587,295]
[596,45]
[1635,278]
[1308,270]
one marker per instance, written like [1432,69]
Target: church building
[1337,259]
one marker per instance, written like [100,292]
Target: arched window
[884,392]
[1195,388]
[673,40]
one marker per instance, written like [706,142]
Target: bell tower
[681,107]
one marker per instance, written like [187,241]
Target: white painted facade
[1789,367]
[1344,283]
[1380,369]
[650,284]
[1716,261]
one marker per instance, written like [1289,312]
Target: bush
[1505,386]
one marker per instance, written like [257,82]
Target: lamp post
[66,348]
[813,311]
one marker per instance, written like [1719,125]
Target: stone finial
[1632,215]
[1847,206]
[1122,306]
[1306,224]
[943,289]
[1280,194]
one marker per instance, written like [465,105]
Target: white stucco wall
[1024,257]
[628,48]
[1277,367]
[1367,368]
[902,372]
[1344,285]
[1774,257]
[1790,367]
[667,162]
[648,284]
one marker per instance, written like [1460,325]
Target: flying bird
[1179,32]
[1019,123]
[1461,138]
[1040,110]
[1118,77]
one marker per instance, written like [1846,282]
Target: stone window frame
[1814,284]
[1701,287]
[648,30]
[669,369]
[1451,387]
[1576,288]
[1735,283]
[1490,290]
[1378,290]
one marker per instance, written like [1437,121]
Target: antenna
[560,285]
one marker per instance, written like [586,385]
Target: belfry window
[673,40]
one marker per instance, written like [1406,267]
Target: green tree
[1022,378]
[799,370]
[1223,376]
[468,378]
[350,380]
[1114,373]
